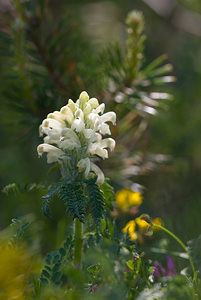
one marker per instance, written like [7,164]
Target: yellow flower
[130,229]
[15,269]
[138,228]
[126,198]
[156,221]
[143,225]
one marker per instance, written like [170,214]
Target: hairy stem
[78,228]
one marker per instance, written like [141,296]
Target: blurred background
[172,190]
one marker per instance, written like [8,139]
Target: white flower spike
[74,136]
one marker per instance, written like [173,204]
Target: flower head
[156,221]
[130,229]
[74,136]
[138,228]
[126,198]
[160,271]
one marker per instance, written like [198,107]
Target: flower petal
[109,142]
[100,176]
[53,153]
[99,109]
[78,125]
[84,164]
[109,117]
[67,114]
[93,102]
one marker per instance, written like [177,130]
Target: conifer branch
[47,62]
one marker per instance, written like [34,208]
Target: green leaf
[56,277]
[108,194]
[96,200]
[46,206]
[56,259]
[21,188]
[53,168]
[20,226]
[195,251]
[43,281]
[179,287]
[94,268]
[160,71]
[155,63]
[62,251]
[48,259]
[48,268]
[46,274]
[130,264]
[75,199]
[47,198]
[56,267]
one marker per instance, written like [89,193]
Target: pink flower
[160,271]
[94,288]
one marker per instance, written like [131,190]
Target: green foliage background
[173,189]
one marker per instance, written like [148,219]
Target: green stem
[78,241]
[182,245]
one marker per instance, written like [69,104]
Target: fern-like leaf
[108,193]
[55,261]
[47,198]
[21,188]
[46,206]
[75,200]
[20,228]
[96,200]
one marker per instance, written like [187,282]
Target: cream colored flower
[86,165]
[53,153]
[76,133]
